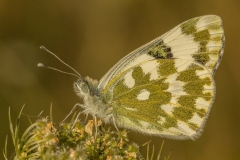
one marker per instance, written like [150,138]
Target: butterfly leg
[76,119]
[86,118]
[114,123]
[71,112]
[96,129]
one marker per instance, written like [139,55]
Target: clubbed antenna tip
[40,65]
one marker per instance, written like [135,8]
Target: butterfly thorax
[87,89]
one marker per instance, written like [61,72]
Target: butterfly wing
[166,87]
[200,39]
[166,97]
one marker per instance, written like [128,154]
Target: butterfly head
[81,87]
[85,87]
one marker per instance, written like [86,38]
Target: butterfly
[164,88]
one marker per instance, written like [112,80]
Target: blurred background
[92,36]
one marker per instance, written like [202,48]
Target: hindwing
[165,97]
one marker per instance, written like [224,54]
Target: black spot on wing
[161,51]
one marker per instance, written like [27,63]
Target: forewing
[199,39]
[166,97]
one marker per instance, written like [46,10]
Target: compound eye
[84,88]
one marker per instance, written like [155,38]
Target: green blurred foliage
[92,36]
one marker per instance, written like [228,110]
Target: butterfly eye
[84,87]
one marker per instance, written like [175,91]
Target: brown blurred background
[92,36]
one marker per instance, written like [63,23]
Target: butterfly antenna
[42,65]
[55,69]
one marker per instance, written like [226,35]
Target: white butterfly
[164,88]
